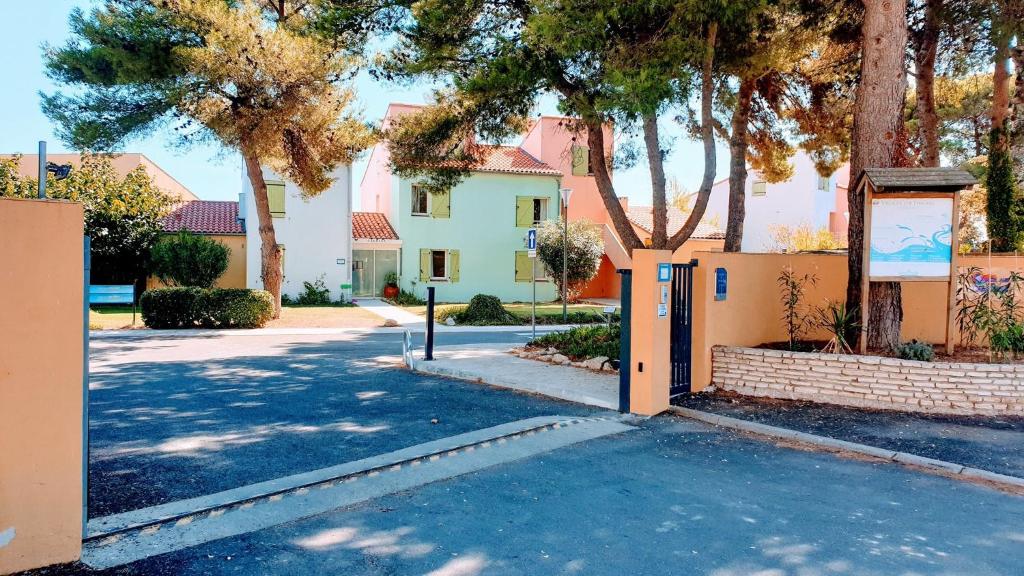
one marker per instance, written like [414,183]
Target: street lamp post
[565,193]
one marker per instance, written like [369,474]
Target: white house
[806,199]
[315,233]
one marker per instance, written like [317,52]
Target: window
[438,264]
[760,188]
[540,210]
[581,161]
[275,197]
[525,268]
[420,201]
[822,183]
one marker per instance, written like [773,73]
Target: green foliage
[405,298]
[188,259]
[584,342]
[314,293]
[391,279]
[1005,220]
[915,350]
[123,215]
[191,307]
[791,292]
[991,311]
[585,250]
[486,310]
[839,321]
[443,313]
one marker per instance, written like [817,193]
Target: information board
[911,238]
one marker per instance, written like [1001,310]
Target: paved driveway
[177,417]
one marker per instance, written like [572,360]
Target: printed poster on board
[911,238]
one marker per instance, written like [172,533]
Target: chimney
[624,201]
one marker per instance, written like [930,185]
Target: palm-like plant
[836,319]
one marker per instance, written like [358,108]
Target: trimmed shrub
[584,342]
[915,350]
[486,310]
[206,308]
[187,259]
[314,293]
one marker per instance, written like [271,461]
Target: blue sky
[210,172]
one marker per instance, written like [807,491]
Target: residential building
[217,220]
[707,237]
[315,233]
[470,239]
[376,252]
[807,199]
[28,165]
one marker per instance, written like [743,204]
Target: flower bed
[871,381]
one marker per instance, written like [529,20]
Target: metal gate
[681,354]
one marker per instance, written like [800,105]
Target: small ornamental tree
[188,259]
[585,250]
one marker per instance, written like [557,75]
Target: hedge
[206,308]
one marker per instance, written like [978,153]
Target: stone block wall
[871,381]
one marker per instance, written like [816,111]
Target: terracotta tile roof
[508,160]
[372,226]
[205,217]
[642,216]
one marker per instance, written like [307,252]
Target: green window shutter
[441,204]
[424,264]
[580,160]
[275,196]
[524,211]
[453,265]
[524,266]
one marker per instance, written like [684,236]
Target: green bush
[405,298]
[443,313]
[314,293]
[915,350]
[190,307]
[486,310]
[584,342]
[187,259]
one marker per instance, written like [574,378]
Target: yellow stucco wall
[752,311]
[234,276]
[41,357]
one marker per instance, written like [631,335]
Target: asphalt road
[176,417]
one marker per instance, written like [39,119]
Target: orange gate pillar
[650,330]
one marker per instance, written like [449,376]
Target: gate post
[650,332]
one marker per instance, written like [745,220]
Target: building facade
[315,233]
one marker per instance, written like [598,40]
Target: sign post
[531,248]
[911,221]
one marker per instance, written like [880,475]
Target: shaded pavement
[986,442]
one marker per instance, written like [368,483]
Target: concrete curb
[949,468]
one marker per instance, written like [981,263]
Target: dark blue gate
[681,354]
[626,296]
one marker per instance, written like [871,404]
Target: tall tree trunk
[1003,222]
[1017,115]
[656,165]
[877,120]
[707,134]
[924,92]
[738,166]
[270,266]
[599,166]
[1001,77]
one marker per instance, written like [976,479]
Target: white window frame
[447,265]
[416,189]
[543,210]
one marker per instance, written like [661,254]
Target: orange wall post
[650,334]
[41,363]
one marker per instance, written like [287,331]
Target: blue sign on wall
[664,272]
[721,283]
[531,239]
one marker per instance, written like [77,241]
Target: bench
[113,294]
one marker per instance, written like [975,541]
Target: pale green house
[471,239]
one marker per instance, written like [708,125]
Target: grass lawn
[120,317]
[548,312]
[113,318]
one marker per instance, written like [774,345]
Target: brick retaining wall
[871,381]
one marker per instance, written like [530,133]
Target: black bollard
[429,355]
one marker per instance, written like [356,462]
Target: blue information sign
[721,283]
[664,272]
[531,239]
